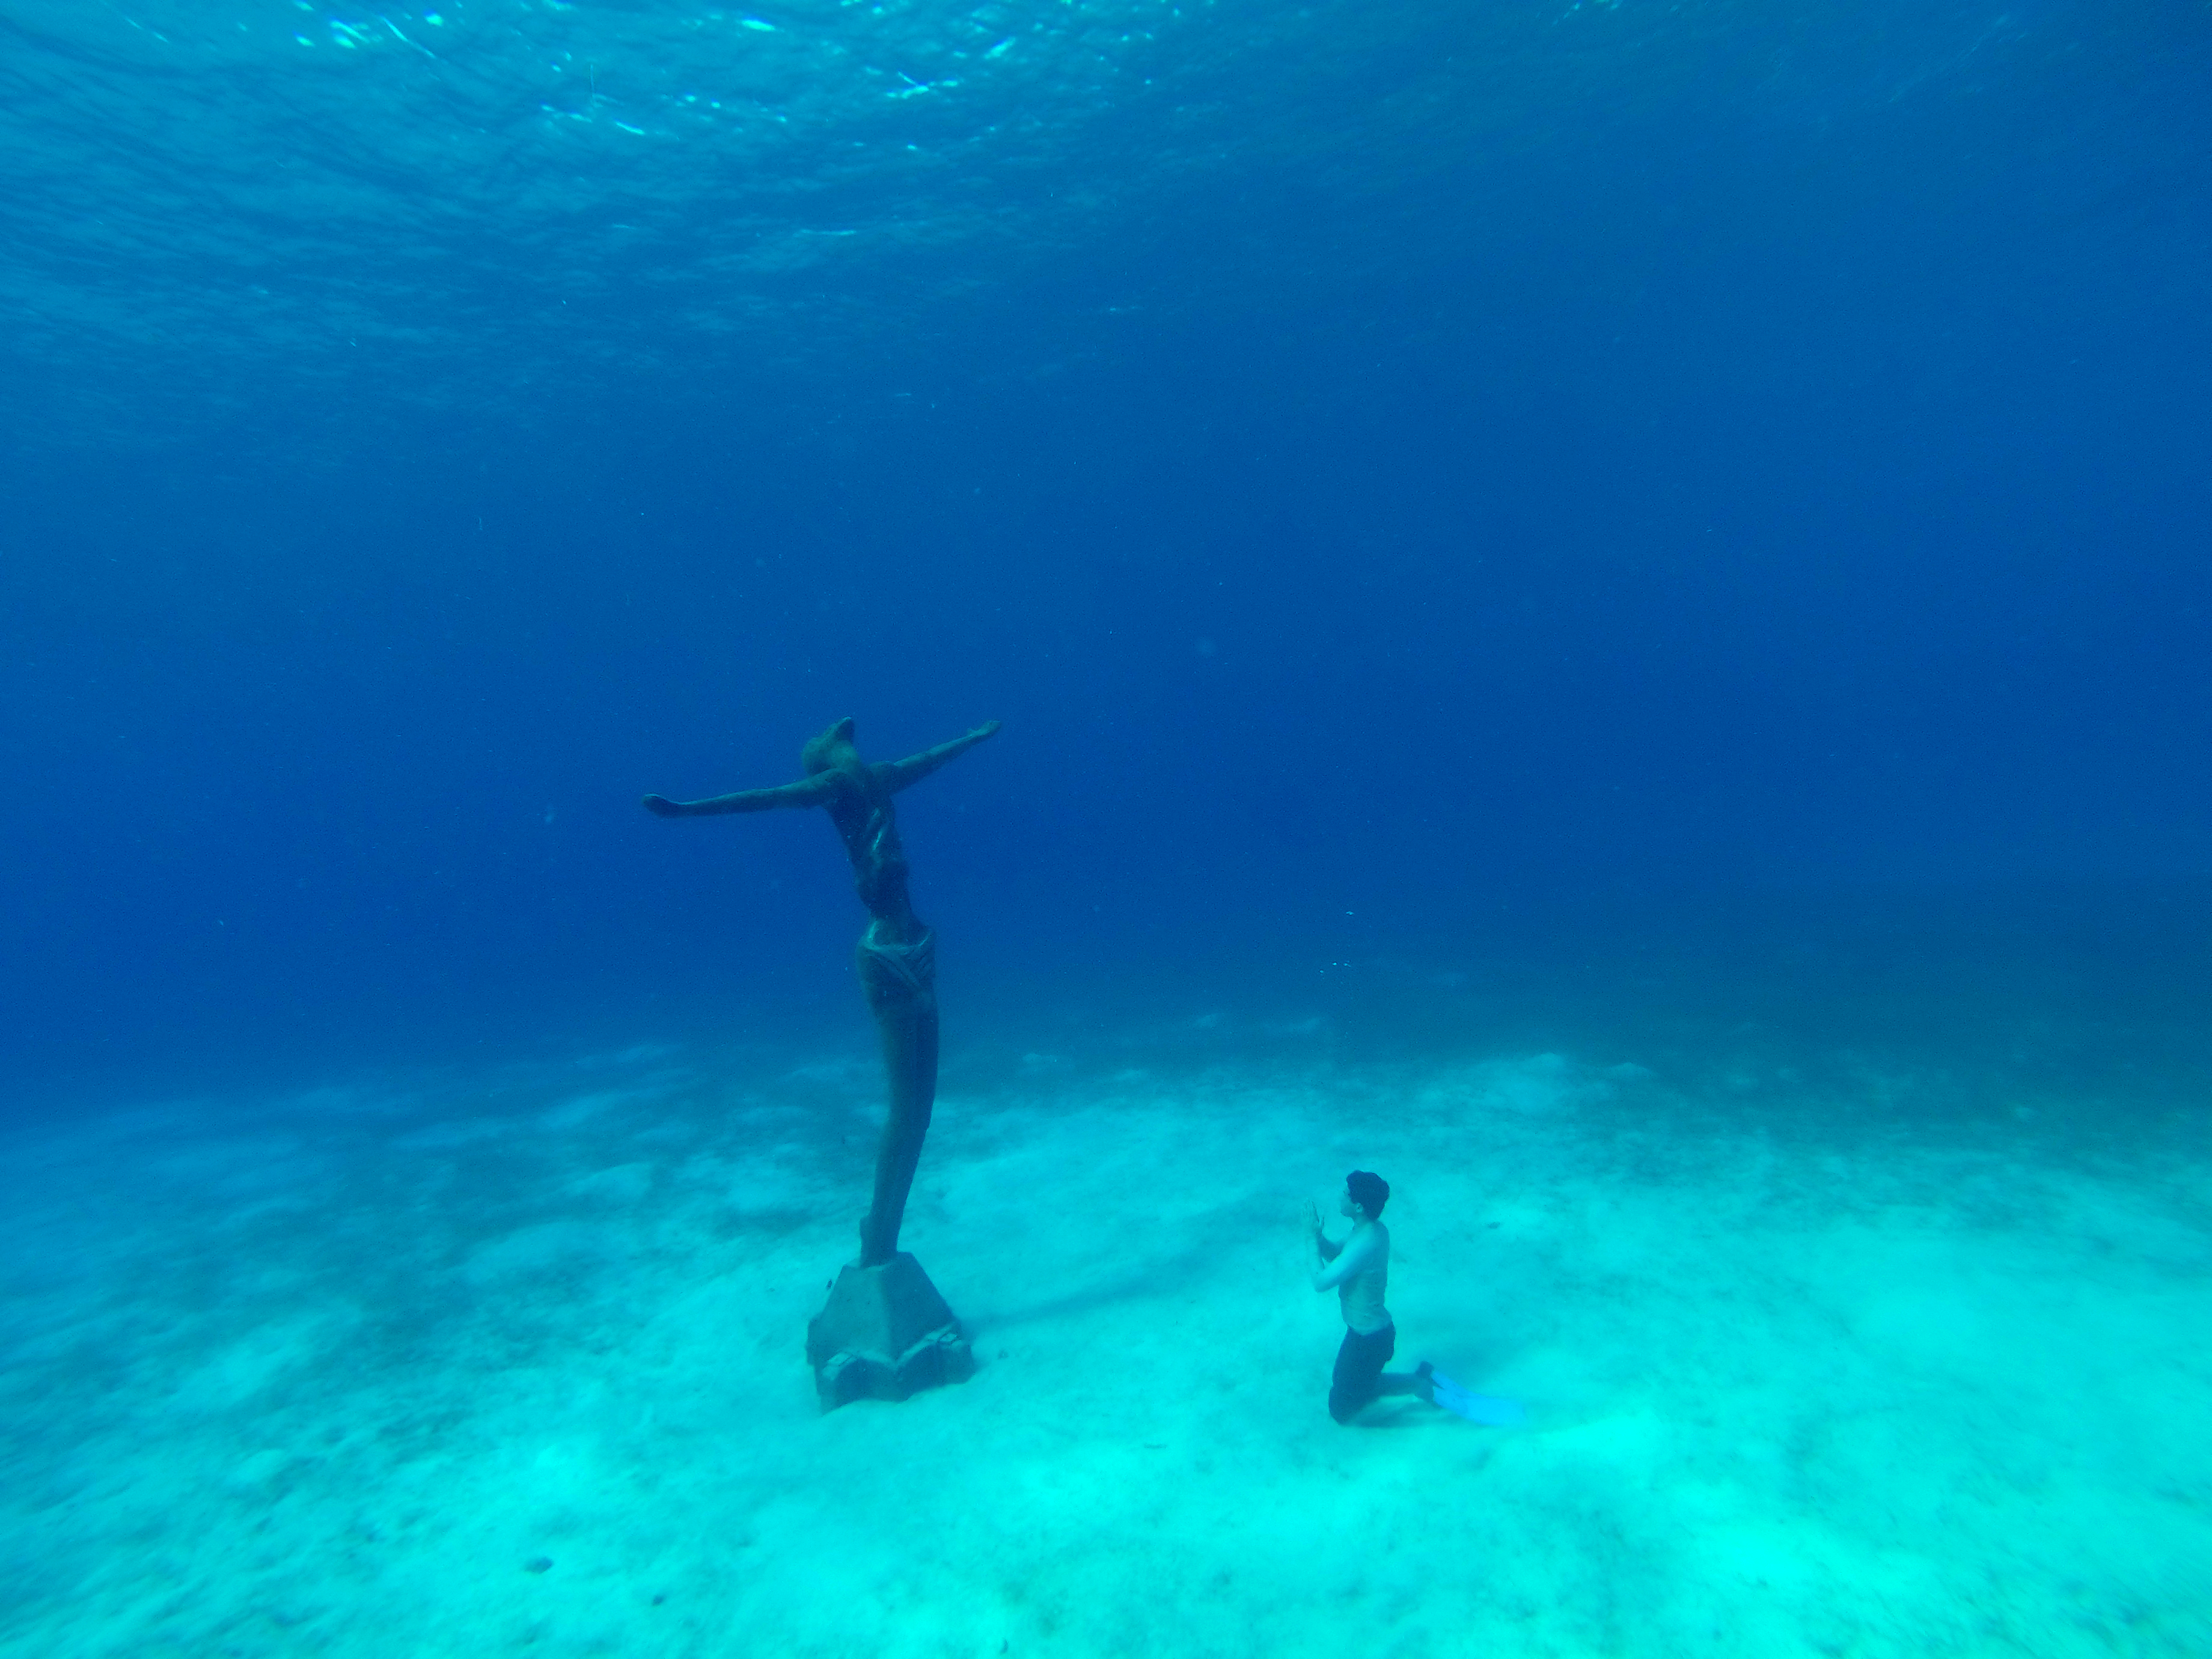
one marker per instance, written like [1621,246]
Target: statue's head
[831,750]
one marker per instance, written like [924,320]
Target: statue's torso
[862,811]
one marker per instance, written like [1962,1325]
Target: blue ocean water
[1609,597]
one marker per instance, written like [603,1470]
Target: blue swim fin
[1487,1409]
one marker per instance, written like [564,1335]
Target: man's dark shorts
[1359,1365]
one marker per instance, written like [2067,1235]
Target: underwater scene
[1248,829]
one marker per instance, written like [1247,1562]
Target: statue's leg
[885,1331]
[906,1018]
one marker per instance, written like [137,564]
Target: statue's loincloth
[899,970]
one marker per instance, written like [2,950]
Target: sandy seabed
[512,1363]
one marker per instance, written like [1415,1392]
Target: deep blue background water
[1423,484]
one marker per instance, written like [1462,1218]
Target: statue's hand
[661,806]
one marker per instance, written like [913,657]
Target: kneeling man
[1358,1270]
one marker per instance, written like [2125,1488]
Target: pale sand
[327,1378]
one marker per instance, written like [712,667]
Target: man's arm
[1347,1260]
[904,774]
[808,792]
[1322,1241]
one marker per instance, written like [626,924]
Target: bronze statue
[885,1331]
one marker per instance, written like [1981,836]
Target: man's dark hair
[1369,1191]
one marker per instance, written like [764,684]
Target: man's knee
[1344,1407]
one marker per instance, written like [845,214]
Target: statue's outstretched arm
[808,792]
[900,775]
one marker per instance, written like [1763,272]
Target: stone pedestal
[885,1334]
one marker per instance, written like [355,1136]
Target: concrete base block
[885,1334]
